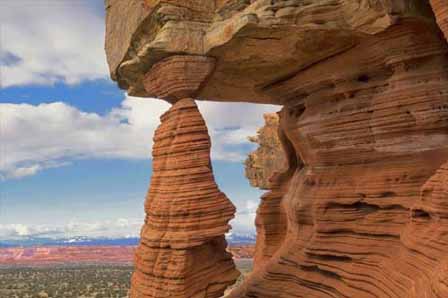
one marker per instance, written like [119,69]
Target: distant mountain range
[241,238]
[74,241]
[86,255]
[233,239]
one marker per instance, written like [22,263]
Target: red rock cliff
[360,209]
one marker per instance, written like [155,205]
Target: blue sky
[74,149]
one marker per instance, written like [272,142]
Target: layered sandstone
[264,168]
[257,42]
[370,144]
[269,157]
[360,209]
[440,8]
[183,250]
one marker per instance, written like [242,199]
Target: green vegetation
[66,282]
[82,281]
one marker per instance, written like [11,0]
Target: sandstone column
[182,253]
[269,168]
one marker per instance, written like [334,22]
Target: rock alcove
[360,209]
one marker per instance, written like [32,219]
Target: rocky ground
[245,266]
[76,281]
[79,271]
[66,281]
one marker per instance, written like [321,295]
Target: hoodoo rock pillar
[182,253]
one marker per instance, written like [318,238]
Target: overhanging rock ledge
[361,206]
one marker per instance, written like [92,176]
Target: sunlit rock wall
[182,252]
[363,85]
[269,156]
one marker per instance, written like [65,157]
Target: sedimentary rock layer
[440,8]
[269,157]
[263,169]
[364,214]
[271,220]
[183,250]
[178,77]
[257,42]
[360,210]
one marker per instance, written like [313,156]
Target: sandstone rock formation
[441,12]
[269,157]
[183,250]
[360,209]
[263,169]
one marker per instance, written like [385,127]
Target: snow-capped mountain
[73,241]
[232,239]
[241,238]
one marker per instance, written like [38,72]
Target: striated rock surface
[372,143]
[263,170]
[269,157]
[440,8]
[183,250]
[363,85]
[257,42]
[178,77]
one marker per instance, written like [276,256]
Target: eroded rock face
[264,169]
[258,42]
[441,11]
[359,210]
[183,250]
[370,145]
[269,157]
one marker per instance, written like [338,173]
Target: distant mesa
[59,255]
[232,238]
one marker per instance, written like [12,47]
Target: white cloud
[244,221]
[38,137]
[251,206]
[21,172]
[19,230]
[48,41]
[33,169]
[121,227]
[230,124]
[112,228]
